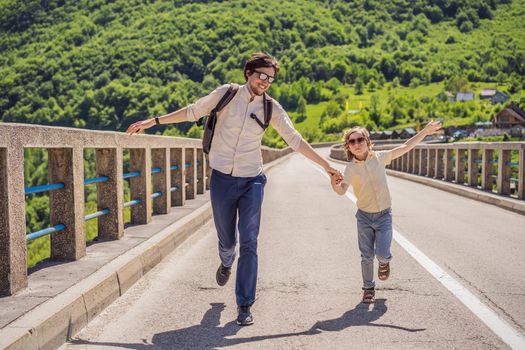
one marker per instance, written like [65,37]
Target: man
[237,180]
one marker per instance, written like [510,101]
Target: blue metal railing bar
[156,194]
[174,167]
[130,203]
[95,180]
[131,174]
[155,170]
[44,232]
[174,188]
[43,188]
[96,214]
[187,165]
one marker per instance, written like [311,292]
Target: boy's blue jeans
[231,197]
[374,238]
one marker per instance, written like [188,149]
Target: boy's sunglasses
[264,76]
[358,141]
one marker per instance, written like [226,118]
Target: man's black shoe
[223,274]
[245,317]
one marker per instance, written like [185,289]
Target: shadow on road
[209,335]
[361,315]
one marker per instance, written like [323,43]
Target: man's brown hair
[258,60]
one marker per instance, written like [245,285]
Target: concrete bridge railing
[490,166]
[164,172]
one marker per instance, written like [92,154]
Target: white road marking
[505,331]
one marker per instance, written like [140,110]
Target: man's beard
[257,90]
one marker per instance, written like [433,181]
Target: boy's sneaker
[223,274]
[244,317]
[383,271]
[369,296]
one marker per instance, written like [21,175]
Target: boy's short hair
[258,60]
[346,140]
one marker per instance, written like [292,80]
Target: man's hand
[139,126]
[332,171]
[336,178]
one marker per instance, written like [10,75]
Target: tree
[375,112]
[457,84]
[301,107]
[359,86]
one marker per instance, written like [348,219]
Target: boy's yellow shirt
[368,180]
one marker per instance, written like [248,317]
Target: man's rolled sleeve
[204,105]
[282,123]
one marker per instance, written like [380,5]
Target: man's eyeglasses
[358,141]
[264,76]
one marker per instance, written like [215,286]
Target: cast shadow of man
[206,335]
[361,315]
[209,335]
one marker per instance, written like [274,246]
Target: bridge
[457,273]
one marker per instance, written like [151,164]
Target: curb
[511,204]
[54,322]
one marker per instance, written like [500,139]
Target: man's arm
[283,125]
[173,117]
[306,150]
[190,113]
[430,129]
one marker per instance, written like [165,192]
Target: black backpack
[211,119]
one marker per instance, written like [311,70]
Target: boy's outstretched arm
[430,129]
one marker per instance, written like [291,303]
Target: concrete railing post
[449,164]
[521,173]
[504,171]
[140,186]
[460,166]
[432,162]
[417,161]
[440,164]
[178,176]
[160,159]
[66,205]
[424,162]
[472,166]
[201,172]
[13,249]
[191,173]
[487,168]
[429,160]
[109,193]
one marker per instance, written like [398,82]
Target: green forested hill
[104,64]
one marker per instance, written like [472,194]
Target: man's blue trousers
[237,201]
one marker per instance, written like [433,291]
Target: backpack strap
[228,96]
[267,107]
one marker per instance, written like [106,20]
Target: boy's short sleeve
[385,157]
[346,175]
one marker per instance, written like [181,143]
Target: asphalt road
[309,278]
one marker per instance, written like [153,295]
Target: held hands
[335,177]
[139,126]
[432,127]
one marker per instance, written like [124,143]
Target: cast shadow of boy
[361,315]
